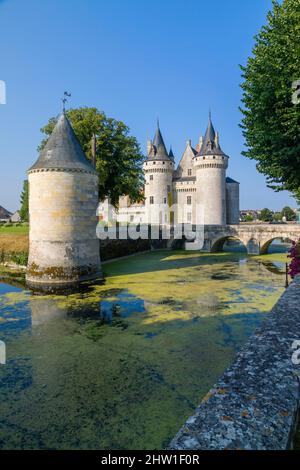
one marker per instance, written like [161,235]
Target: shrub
[294,255]
[20,258]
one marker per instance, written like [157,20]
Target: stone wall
[63,246]
[254,405]
[110,249]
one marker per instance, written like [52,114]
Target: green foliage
[288,213]
[24,210]
[20,258]
[271,122]
[249,218]
[266,215]
[118,155]
[278,216]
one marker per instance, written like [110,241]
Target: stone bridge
[255,237]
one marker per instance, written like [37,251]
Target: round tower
[210,164]
[63,198]
[158,170]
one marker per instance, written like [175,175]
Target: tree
[271,122]
[118,154]
[249,218]
[288,213]
[24,210]
[266,215]
[278,216]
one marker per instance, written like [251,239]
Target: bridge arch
[266,243]
[218,243]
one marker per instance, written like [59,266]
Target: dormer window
[189,172]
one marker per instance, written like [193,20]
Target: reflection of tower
[44,310]
[158,170]
[211,164]
[63,198]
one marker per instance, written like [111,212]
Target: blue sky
[136,60]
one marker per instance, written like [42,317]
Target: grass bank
[14,244]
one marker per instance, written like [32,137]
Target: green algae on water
[124,365]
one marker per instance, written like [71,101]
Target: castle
[196,192]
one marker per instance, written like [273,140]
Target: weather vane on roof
[65,99]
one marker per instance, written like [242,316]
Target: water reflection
[123,366]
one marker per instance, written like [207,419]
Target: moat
[124,364]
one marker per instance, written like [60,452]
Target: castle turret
[210,164]
[63,198]
[232,201]
[158,170]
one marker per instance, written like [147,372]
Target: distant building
[16,217]
[255,214]
[5,215]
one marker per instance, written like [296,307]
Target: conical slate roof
[210,145]
[63,150]
[171,154]
[158,150]
[231,181]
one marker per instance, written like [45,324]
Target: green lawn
[14,229]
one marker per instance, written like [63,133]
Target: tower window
[165,200]
[189,216]
[151,177]
[151,200]
[189,172]
[189,200]
[168,188]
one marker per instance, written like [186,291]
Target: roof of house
[230,180]
[210,145]
[158,149]
[63,150]
[4,213]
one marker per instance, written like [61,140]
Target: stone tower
[158,170]
[63,198]
[232,201]
[210,164]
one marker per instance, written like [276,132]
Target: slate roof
[230,180]
[171,154]
[158,150]
[4,214]
[63,150]
[210,145]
